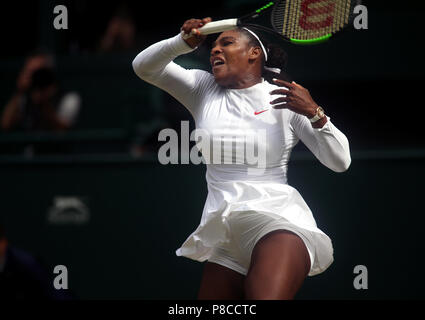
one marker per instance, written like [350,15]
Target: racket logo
[312,10]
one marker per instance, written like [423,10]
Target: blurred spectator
[120,34]
[36,105]
[22,277]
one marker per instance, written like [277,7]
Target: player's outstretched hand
[294,97]
[191,34]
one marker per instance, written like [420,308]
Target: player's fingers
[281,106]
[191,24]
[283,91]
[185,28]
[283,83]
[186,25]
[195,32]
[280,100]
[297,85]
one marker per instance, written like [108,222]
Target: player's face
[230,58]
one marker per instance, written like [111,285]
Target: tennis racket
[297,21]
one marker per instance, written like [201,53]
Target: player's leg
[221,283]
[280,263]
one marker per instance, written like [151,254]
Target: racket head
[307,22]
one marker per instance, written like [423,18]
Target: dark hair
[277,57]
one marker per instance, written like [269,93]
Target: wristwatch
[320,114]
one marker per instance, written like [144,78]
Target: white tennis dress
[236,188]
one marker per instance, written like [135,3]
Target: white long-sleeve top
[229,114]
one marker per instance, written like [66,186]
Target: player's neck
[246,81]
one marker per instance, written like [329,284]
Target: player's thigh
[280,263]
[221,283]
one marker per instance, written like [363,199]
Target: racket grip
[219,26]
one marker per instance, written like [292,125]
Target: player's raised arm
[155,58]
[155,64]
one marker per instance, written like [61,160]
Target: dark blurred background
[81,185]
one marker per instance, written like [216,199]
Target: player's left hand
[295,98]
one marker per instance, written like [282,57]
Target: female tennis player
[258,236]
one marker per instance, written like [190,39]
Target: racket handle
[219,26]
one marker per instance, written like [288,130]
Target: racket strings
[311,19]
